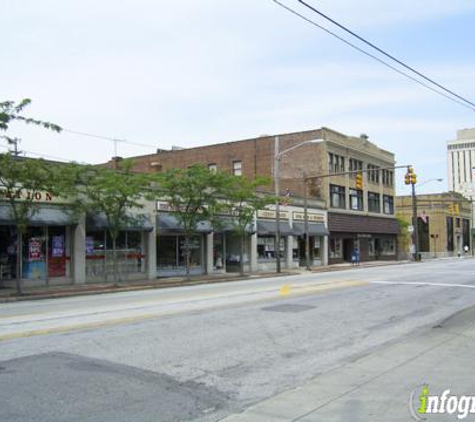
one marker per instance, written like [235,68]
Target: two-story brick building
[358,219]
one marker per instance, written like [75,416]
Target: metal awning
[314,229]
[227,225]
[45,216]
[139,222]
[168,223]
[267,227]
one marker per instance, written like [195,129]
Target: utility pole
[14,142]
[277,156]
[307,237]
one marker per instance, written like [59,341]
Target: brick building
[360,220]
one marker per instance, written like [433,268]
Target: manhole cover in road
[288,307]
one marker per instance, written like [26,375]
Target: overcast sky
[195,72]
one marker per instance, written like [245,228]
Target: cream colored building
[461,164]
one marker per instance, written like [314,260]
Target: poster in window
[57,246]
[34,249]
[89,245]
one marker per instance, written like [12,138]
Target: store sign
[319,218]
[35,196]
[192,244]
[284,215]
[57,246]
[34,249]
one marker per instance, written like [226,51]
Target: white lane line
[416,283]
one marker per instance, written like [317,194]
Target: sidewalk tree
[242,202]
[114,193]
[192,194]
[21,179]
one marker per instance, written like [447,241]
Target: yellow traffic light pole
[410,178]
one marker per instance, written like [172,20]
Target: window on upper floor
[237,168]
[356,200]
[337,196]
[388,177]
[388,204]
[336,163]
[354,165]
[374,202]
[373,173]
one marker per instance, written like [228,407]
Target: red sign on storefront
[34,249]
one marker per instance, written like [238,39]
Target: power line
[371,55]
[38,154]
[108,138]
[400,62]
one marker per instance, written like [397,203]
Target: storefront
[47,246]
[171,247]
[370,238]
[267,247]
[130,251]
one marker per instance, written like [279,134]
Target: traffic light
[410,178]
[359,180]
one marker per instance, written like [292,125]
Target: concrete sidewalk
[378,387]
[8,294]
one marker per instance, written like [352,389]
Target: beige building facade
[444,224]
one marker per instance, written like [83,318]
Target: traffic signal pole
[415,233]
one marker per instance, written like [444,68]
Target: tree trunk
[19,256]
[114,260]
[241,257]
[187,255]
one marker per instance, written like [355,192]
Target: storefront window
[371,247]
[266,247]
[57,260]
[194,250]
[388,246]
[218,251]
[336,248]
[100,254]
[34,253]
[7,253]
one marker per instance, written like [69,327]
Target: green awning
[314,229]
[139,222]
[168,223]
[45,216]
[268,227]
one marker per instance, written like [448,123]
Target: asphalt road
[204,352]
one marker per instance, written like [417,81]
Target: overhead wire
[380,50]
[384,63]
[108,138]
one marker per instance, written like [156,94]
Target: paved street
[212,351]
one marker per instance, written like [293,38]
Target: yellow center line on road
[291,292]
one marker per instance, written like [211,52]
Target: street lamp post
[277,157]
[305,223]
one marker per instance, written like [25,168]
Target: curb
[123,288]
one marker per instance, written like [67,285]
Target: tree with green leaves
[193,195]
[114,193]
[21,179]
[242,202]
